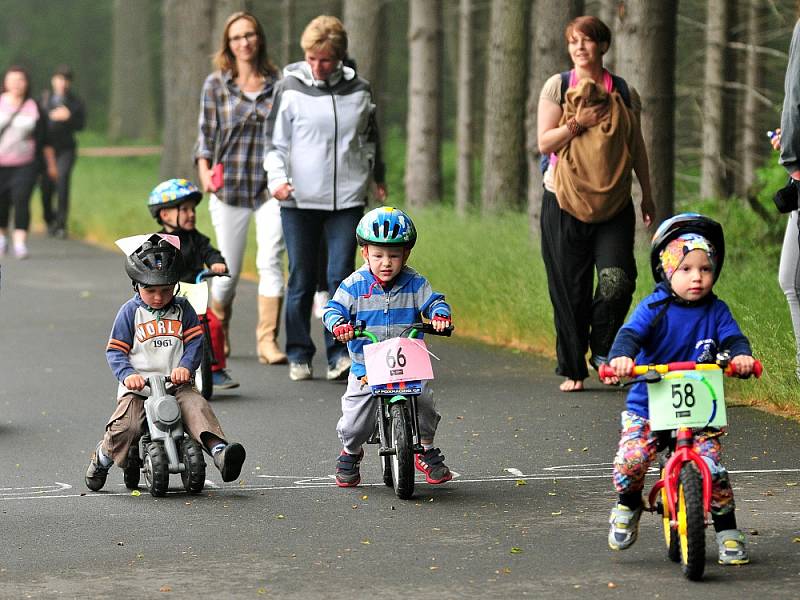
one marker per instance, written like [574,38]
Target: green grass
[490,269]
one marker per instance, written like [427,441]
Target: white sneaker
[341,369]
[320,300]
[300,371]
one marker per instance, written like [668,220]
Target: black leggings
[65,160]
[572,250]
[16,187]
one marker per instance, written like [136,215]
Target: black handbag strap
[11,120]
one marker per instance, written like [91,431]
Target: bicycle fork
[684,453]
[384,417]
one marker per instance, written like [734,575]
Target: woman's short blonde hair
[325,33]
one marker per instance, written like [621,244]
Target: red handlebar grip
[606,371]
[758,369]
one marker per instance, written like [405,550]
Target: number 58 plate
[687,399]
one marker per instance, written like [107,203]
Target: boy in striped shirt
[388,296]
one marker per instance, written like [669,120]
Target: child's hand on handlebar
[180,375]
[343,331]
[440,322]
[134,382]
[743,364]
[219,268]
[622,365]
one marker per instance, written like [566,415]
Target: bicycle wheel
[670,534]
[691,523]
[403,458]
[205,384]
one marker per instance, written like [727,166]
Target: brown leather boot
[223,312]
[269,313]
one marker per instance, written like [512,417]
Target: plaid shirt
[231,131]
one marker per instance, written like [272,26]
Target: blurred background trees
[456,81]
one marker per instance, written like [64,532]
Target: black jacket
[61,134]
[197,252]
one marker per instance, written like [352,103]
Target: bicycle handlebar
[208,274]
[360,330]
[730,370]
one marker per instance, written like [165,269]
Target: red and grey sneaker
[348,473]
[432,464]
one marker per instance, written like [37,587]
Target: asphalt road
[526,515]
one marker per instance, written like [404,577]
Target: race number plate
[687,399]
[398,359]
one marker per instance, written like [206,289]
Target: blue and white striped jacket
[386,313]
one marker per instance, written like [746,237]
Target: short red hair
[591,27]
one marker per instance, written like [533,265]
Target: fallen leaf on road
[280,517]
[551,494]
[516,550]
[584,449]
[136,493]
[434,568]
[364,497]
[120,543]
[521,482]
[365,542]
[612,585]
[165,588]
[261,591]
[796,540]
[555,514]
[791,484]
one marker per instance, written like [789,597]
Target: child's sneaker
[3,245]
[348,473]
[20,250]
[229,461]
[432,464]
[624,527]
[222,380]
[96,474]
[732,550]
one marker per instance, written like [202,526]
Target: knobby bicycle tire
[691,522]
[403,458]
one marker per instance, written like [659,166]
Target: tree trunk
[752,80]
[290,44]
[712,168]
[504,127]
[222,10]
[548,57]
[187,47]
[464,123]
[646,32]
[363,20]
[608,14]
[132,112]
[423,178]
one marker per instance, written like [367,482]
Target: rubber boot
[223,313]
[269,313]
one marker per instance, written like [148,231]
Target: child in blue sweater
[682,320]
[388,296]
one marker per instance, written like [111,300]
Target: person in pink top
[23,137]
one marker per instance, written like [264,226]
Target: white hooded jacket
[321,137]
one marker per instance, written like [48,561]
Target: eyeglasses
[249,36]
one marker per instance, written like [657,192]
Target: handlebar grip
[758,368]
[428,328]
[606,371]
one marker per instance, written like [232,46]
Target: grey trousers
[358,420]
[789,278]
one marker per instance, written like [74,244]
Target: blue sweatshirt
[387,312]
[696,332]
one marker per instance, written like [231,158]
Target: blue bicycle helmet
[386,226]
[681,224]
[171,193]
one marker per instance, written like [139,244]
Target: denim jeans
[303,232]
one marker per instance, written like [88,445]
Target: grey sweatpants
[358,420]
[789,278]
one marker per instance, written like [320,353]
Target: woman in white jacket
[321,157]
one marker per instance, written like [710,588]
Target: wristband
[574,127]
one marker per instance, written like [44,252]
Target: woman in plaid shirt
[236,100]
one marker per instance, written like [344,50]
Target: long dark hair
[18,69]
[224,59]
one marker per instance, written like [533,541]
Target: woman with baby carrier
[590,138]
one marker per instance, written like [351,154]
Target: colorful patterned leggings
[637,451]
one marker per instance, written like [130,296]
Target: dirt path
[120,151]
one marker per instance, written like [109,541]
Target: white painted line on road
[326,481]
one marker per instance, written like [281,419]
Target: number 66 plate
[397,359]
[687,399]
